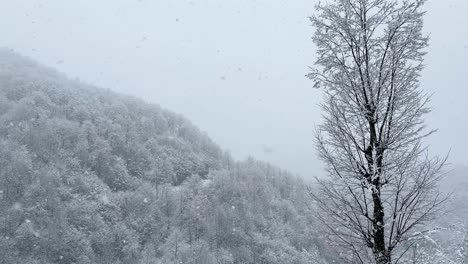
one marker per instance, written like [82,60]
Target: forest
[91,176]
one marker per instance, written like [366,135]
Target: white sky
[234,67]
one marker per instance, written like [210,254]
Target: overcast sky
[235,68]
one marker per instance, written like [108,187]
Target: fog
[234,68]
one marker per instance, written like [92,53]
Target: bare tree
[382,183]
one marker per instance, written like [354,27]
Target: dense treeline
[116,137]
[89,176]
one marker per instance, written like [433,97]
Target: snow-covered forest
[92,175]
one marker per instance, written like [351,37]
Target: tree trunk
[383,259]
[381,254]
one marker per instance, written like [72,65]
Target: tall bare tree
[382,183]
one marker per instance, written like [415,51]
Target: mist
[233,132]
[234,68]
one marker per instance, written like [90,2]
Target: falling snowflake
[17,206]
[105,199]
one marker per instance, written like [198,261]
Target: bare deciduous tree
[382,183]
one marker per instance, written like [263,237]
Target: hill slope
[90,176]
[57,119]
